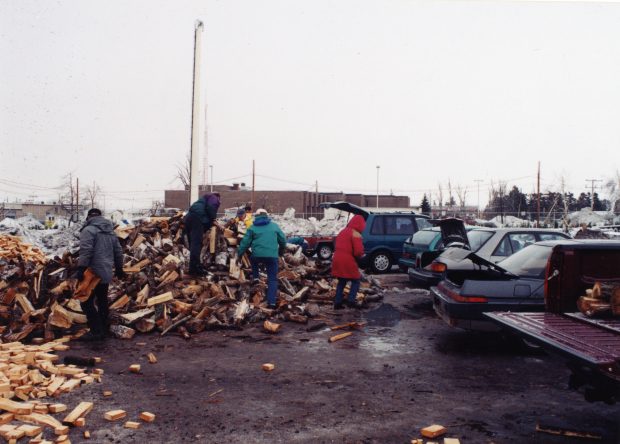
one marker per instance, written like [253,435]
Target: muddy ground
[403,371]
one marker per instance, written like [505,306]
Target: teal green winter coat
[264,237]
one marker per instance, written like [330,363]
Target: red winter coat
[349,246]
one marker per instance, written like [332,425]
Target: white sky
[319,90]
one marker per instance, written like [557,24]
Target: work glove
[79,274]
[281,251]
[119,273]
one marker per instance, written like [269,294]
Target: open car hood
[346,206]
[453,232]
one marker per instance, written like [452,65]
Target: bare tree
[68,197]
[450,198]
[461,194]
[91,193]
[184,171]
[440,197]
[156,205]
[613,188]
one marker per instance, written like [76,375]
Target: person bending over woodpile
[348,248]
[200,217]
[100,253]
[267,242]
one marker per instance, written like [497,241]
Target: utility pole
[478,183]
[316,186]
[538,193]
[253,182]
[592,194]
[195,147]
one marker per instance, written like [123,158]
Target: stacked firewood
[602,300]
[158,294]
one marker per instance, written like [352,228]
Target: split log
[271,327]
[340,336]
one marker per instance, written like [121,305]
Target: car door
[396,229]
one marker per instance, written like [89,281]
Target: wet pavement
[403,371]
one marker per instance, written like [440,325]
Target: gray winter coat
[99,248]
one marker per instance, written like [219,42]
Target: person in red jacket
[348,248]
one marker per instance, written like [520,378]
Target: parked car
[427,239]
[384,234]
[516,284]
[492,244]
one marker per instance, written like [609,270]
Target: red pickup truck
[591,346]
[323,246]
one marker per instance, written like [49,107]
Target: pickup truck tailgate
[594,342]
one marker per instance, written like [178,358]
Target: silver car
[492,244]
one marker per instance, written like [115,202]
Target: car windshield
[529,262]
[477,238]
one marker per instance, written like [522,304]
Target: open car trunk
[346,206]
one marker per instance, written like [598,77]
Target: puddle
[384,316]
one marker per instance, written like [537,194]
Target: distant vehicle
[322,246]
[384,234]
[166,212]
[491,244]
[516,284]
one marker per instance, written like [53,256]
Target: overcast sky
[321,90]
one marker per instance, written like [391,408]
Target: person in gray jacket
[100,251]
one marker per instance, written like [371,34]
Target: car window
[550,236]
[477,238]
[504,248]
[377,225]
[518,241]
[529,262]
[398,225]
[424,237]
[423,223]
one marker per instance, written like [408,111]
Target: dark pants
[355,286]
[195,230]
[97,317]
[271,264]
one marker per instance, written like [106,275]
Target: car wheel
[325,252]
[381,262]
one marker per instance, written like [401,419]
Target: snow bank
[294,226]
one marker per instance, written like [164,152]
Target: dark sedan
[517,284]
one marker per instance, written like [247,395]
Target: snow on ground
[53,242]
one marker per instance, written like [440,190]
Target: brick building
[306,203]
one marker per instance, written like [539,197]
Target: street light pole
[378,185]
[211,168]
[478,182]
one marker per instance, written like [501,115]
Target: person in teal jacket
[266,240]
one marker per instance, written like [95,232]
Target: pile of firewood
[158,294]
[29,375]
[602,300]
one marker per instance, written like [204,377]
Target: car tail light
[437,267]
[456,296]
[406,255]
